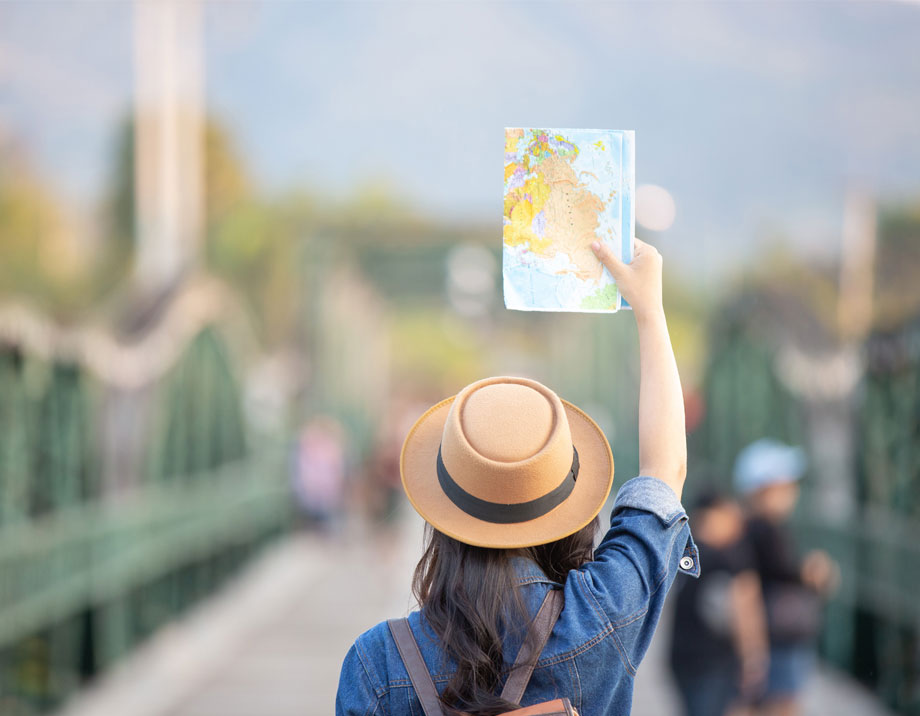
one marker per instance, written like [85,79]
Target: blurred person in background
[319,472]
[718,642]
[767,474]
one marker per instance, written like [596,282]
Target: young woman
[510,479]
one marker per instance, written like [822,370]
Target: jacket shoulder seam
[592,598]
[378,689]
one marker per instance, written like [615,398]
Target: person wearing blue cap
[767,474]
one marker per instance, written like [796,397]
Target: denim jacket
[612,606]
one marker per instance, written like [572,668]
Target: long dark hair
[469,596]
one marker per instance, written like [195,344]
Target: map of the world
[565,188]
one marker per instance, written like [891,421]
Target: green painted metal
[744,401]
[94,552]
[84,575]
[15,455]
[201,424]
[886,648]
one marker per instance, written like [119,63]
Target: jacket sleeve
[356,695]
[648,542]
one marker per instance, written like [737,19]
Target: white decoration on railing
[201,302]
[822,376]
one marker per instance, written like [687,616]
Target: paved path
[272,642]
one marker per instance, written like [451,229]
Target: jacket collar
[527,572]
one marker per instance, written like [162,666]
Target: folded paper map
[565,188]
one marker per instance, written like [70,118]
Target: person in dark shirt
[718,645]
[767,474]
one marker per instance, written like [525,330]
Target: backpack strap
[415,665]
[534,641]
[524,663]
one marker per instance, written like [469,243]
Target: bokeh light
[655,207]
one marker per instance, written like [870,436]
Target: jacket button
[686,563]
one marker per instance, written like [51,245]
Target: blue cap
[768,462]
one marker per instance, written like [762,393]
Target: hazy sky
[755,116]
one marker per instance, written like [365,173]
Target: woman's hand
[638,281]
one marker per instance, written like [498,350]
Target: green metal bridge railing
[87,570]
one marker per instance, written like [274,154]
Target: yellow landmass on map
[521,206]
[512,137]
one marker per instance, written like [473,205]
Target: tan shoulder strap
[525,661]
[415,665]
[536,638]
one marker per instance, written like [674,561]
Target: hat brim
[417,465]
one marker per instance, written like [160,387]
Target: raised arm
[662,429]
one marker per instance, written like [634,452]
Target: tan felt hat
[506,463]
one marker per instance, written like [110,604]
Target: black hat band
[502,513]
